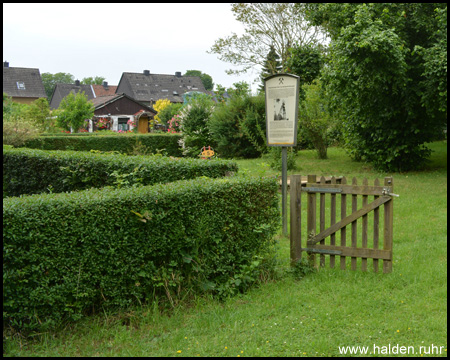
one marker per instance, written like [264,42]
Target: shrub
[193,125]
[18,127]
[169,112]
[122,143]
[275,161]
[67,254]
[238,127]
[27,171]
[314,120]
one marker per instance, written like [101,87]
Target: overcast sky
[88,40]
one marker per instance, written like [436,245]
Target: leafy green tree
[314,119]
[240,88]
[193,120]
[266,24]
[50,80]
[205,78]
[238,126]
[271,66]
[383,79]
[39,112]
[98,80]
[73,111]
[306,62]
[17,127]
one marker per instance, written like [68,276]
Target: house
[23,85]
[104,89]
[148,88]
[120,112]
[62,90]
[91,91]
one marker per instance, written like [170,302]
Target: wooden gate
[340,244]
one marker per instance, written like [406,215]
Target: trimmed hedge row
[68,253]
[154,143]
[29,171]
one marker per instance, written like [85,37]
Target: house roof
[23,82]
[62,90]
[102,101]
[104,90]
[152,87]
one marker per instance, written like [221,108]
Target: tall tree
[98,80]
[50,80]
[382,79]
[74,110]
[205,78]
[266,24]
[271,66]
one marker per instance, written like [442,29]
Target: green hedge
[69,253]
[29,171]
[154,143]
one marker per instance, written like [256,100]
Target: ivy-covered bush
[155,143]
[30,171]
[67,254]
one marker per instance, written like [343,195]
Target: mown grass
[312,316]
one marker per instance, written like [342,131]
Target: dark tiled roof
[62,90]
[23,82]
[102,101]
[152,87]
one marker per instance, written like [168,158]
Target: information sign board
[282,92]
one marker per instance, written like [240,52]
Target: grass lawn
[313,316]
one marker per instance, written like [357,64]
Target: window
[122,124]
[21,85]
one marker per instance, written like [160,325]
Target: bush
[70,253]
[18,127]
[314,120]
[275,161]
[122,143]
[193,125]
[27,171]
[238,127]
[169,112]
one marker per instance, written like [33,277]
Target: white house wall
[115,121]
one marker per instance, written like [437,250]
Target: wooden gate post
[311,218]
[388,225]
[296,218]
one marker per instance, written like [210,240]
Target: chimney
[77,82]
[6,64]
[178,74]
[146,72]
[105,84]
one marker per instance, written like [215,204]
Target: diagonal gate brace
[347,220]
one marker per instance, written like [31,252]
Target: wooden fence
[349,246]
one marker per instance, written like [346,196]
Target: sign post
[282,93]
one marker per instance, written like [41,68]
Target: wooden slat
[388,226]
[311,220]
[354,224]
[357,252]
[296,219]
[322,219]
[348,219]
[332,222]
[364,227]
[343,215]
[351,189]
[376,228]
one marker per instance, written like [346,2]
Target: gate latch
[387,192]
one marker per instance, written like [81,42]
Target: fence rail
[350,244]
